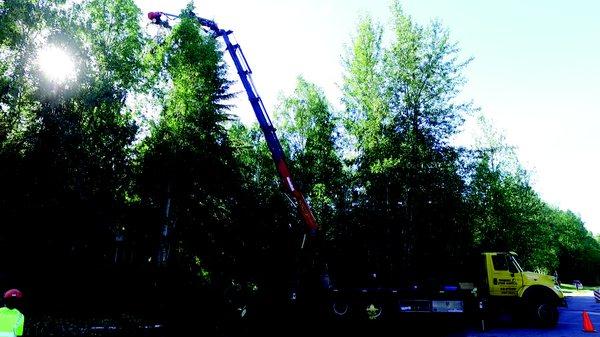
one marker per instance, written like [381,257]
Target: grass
[570,288]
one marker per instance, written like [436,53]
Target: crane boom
[245,75]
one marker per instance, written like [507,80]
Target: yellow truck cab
[526,294]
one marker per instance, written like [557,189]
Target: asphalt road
[570,322]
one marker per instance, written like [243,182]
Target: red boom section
[303,207]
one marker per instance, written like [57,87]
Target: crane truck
[500,285]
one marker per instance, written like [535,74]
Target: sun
[56,64]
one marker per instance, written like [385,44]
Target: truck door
[504,276]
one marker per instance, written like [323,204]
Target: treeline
[132,188]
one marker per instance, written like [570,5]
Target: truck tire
[340,309]
[541,307]
[374,311]
[545,313]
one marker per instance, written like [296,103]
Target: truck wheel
[374,311]
[545,314]
[340,309]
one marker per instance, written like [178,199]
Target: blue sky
[535,71]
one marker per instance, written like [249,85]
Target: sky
[534,74]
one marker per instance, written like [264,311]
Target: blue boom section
[244,72]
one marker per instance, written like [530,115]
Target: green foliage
[401,111]
[115,37]
[309,130]
[187,161]
[65,151]
[507,214]
[578,251]
[363,85]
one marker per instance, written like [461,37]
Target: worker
[11,319]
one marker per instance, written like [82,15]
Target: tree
[71,143]
[578,252]
[402,119]
[363,86]
[508,215]
[188,170]
[309,130]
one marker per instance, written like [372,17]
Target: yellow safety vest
[11,322]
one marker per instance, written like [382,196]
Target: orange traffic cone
[587,323]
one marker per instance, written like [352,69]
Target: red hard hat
[13,293]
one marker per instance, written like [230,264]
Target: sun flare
[56,64]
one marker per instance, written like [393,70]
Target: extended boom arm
[244,72]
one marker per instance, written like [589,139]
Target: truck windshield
[515,264]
